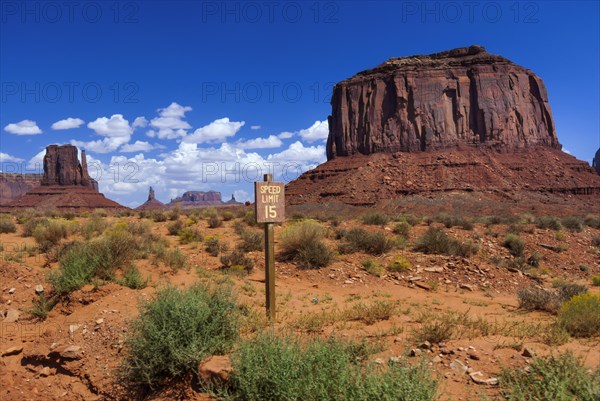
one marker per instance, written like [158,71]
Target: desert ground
[466,301]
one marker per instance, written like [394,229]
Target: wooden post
[270,264]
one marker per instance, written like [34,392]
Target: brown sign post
[269,208]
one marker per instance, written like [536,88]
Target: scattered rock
[473,355]
[99,321]
[528,352]
[12,290]
[423,285]
[477,378]
[379,361]
[425,345]
[394,359]
[39,289]
[467,287]
[415,352]
[215,368]
[13,351]
[45,372]
[437,359]
[12,315]
[69,352]
[435,269]
[458,366]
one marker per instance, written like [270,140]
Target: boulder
[215,368]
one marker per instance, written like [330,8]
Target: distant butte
[65,184]
[460,120]
[152,203]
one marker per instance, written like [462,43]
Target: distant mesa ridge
[201,198]
[464,96]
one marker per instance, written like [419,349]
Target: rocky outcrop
[62,167]
[13,186]
[232,201]
[152,203]
[65,184]
[464,96]
[596,162]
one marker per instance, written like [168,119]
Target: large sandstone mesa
[596,161]
[418,103]
[197,198]
[65,184]
[461,120]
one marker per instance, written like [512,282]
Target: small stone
[435,269]
[436,359]
[348,282]
[473,355]
[528,352]
[458,366]
[425,345]
[99,321]
[70,352]
[215,368]
[12,315]
[12,290]
[39,289]
[415,279]
[423,285]
[13,351]
[467,287]
[379,361]
[477,378]
[394,359]
[415,352]
[45,372]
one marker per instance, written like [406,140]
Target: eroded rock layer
[13,186]
[420,103]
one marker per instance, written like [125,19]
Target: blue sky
[198,95]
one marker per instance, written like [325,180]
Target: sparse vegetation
[435,241]
[536,298]
[359,240]
[303,244]
[574,224]
[271,368]
[551,223]
[402,229]
[214,246]
[514,244]
[375,219]
[188,235]
[557,378]
[251,241]
[580,316]
[214,221]
[435,332]
[237,260]
[133,279]
[174,227]
[400,264]
[176,330]
[50,234]
[373,267]
[7,225]
[596,281]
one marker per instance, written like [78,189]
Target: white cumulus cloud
[217,131]
[139,122]
[137,146]
[255,127]
[170,122]
[260,143]
[6,158]
[68,123]
[25,127]
[319,131]
[115,126]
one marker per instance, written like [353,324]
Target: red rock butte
[459,120]
[65,184]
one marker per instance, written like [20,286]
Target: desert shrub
[176,330]
[133,279]
[541,299]
[189,234]
[580,316]
[237,260]
[31,224]
[174,213]
[7,225]
[214,221]
[251,241]
[173,258]
[76,269]
[41,306]
[402,229]
[93,227]
[209,212]
[158,217]
[596,241]
[303,244]
[435,241]
[50,234]
[557,378]
[370,313]
[359,240]
[174,227]
[435,332]
[515,229]
[227,215]
[596,281]
[373,267]
[408,218]
[455,221]
[400,264]
[214,247]
[551,223]
[271,368]
[592,221]
[99,213]
[534,259]
[250,219]
[514,244]
[375,219]
[573,223]
[584,268]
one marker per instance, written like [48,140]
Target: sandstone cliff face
[62,167]
[455,98]
[596,162]
[152,203]
[197,198]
